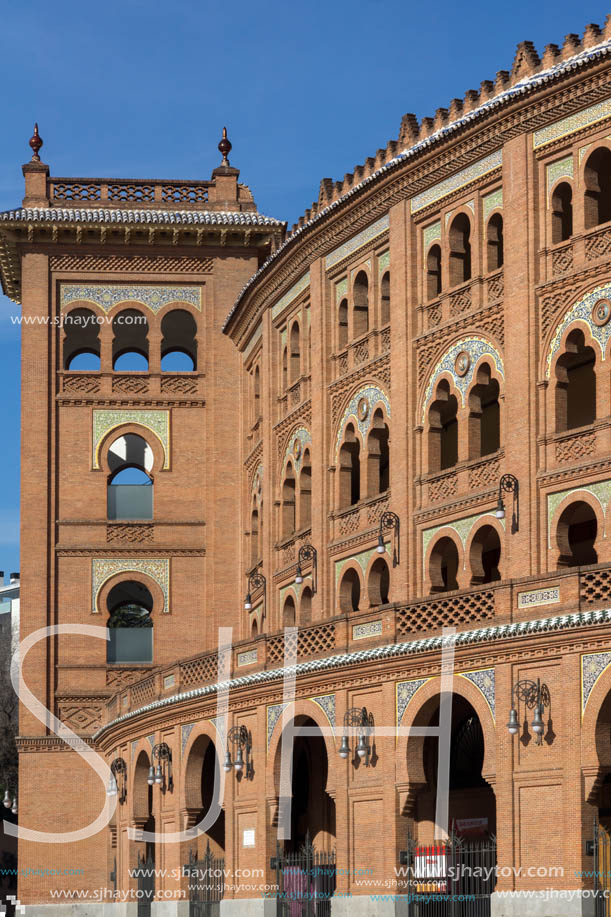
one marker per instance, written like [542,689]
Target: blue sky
[136,89]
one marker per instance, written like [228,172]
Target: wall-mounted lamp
[256,581]
[161,773]
[307,553]
[509,484]
[536,697]
[117,782]
[243,764]
[359,719]
[389,520]
[10,799]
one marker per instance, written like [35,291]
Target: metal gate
[206,884]
[305,881]
[451,879]
[146,884]
[600,848]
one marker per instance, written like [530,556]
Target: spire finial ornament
[35,143]
[225,148]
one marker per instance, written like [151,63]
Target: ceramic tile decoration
[134,746]
[462,527]
[405,692]
[220,724]
[362,631]
[582,313]
[291,294]
[562,168]
[477,348]
[151,740]
[484,681]
[356,270]
[107,296]
[492,201]
[450,213]
[455,182]
[373,396]
[573,123]
[600,490]
[297,588]
[341,289]
[431,234]
[326,702]
[274,713]
[158,422]
[362,238]
[255,338]
[257,482]
[383,263]
[296,446]
[247,658]
[362,559]
[185,732]
[102,570]
[592,667]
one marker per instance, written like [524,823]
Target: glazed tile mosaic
[362,631]
[326,702]
[476,348]
[247,658]
[296,588]
[405,692]
[291,294]
[151,739]
[362,238]
[562,168]
[431,234]
[582,312]
[383,263]
[571,124]
[356,270]
[371,396]
[492,201]
[107,296]
[600,490]
[158,422]
[256,337]
[274,713]
[362,560]
[297,444]
[341,289]
[450,214]
[462,527]
[102,570]
[592,667]
[455,182]
[484,681]
[220,724]
[185,732]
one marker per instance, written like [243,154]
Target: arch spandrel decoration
[405,692]
[157,570]
[368,396]
[185,732]
[562,168]
[592,667]
[475,348]
[600,490]
[492,201]
[582,313]
[157,422]
[151,296]
[462,527]
[298,442]
[274,713]
[326,702]
[220,724]
[297,588]
[484,681]
[362,560]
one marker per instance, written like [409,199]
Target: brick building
[391,419]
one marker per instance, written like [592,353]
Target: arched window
[443,566]
[285,369]
[130,346]
[485,555]
[305,609]
[288,502]
[385,299]
[360,314]
[460,250]
[342,324]
[494,242]
[597,175]
[562,212]
[576,535]
[377,456]
[305,491]
[255,552]
[378,584]
[349,469]
[295,353]
[288,612]
[178,343]
[257,393]
[130,487]
[575,384]
[443,429]
[81,341]
[129,606]
[484,414]
[350,591]
[433,272]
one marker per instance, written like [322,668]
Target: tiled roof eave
[122,216]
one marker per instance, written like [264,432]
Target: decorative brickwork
[576,446]
[129,533]
[450,611]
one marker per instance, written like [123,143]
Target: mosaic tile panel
[185,732]
[363,631]
[326,702]
[586,149]
[341,289]
[592,667]
[297,588]
[455,182]
[405,692]
[362,560]
[450,214]
[106,296]
[383,263]
[356,270]
[600,490]
[562,168]
[291,294]
[431,234]
[476,347]
[297,444]
[492,201]
[102,570]
[256,337]
[573,123]
[373,396]
[362,238]
[158,422]
[151,740]
[220,724]
[134,747]
[274,713]
[247,658]
[462,527]
[582,312]
[485,682]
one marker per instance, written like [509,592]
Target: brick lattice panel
[460,302]
[143,692]
[179,385]
[132,385]
[495,288]
[598,245]
[483,475]
[575,447]
[82,384]
[199,671]
[129,534]
[183,264]
[443,487]
[312,642]
[562,261]
[595,587]
[453,611]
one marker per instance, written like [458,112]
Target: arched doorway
[202,776]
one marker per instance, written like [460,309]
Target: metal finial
[225,147]
[35,143]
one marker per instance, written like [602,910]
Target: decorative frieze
[455,182]
[362,238]
[158,422]
[291,294]
[460,362]
[573,123]
[106,296]
[103,569]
